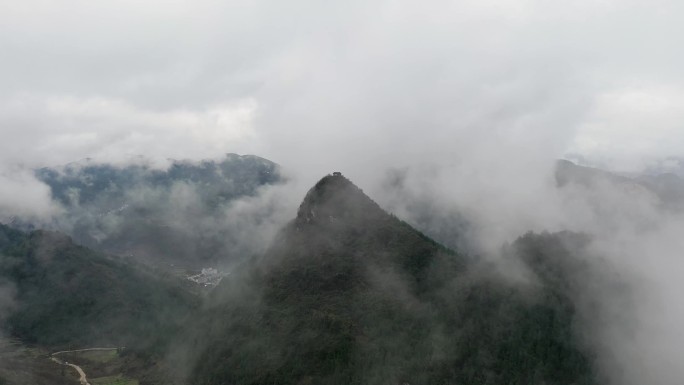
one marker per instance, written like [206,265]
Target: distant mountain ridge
[82,183]
[166,216]
[668,188]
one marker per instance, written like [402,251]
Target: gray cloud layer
[194,79]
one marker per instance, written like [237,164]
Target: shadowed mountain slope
[349,294]
[65,295]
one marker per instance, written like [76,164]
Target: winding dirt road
[83,380]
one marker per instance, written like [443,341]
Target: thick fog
[449,114]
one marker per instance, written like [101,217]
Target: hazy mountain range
[179,215]
[344,293]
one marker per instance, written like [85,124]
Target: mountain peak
[350,294]
[333,198]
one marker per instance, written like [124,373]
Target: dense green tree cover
[66,295]
[348,294]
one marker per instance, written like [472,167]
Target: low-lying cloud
[22,195]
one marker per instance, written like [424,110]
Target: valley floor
[103,365]
[82,376]
[22,365]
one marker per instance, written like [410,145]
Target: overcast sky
[342,84]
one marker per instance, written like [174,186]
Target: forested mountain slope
[349,294]
[65,295]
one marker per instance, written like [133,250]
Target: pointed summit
[338,224]
[335,198]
